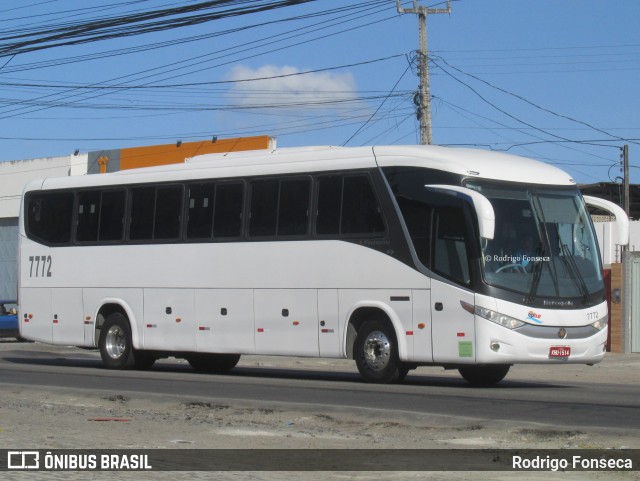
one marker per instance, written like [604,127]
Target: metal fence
[631,302]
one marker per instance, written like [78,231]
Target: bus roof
[466,162]
[479,163]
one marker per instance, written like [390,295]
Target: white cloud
[282,88]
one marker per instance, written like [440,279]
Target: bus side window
[279,207]
[417,216]
[142,209]
[168,211]
[88,216]
[112,215]
[329,202]
[360,209]
[264,208]
[227,216]
[293,208]
[49,217]
[347,205]
[449,245]
[200,217]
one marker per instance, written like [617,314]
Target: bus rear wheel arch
[116,345]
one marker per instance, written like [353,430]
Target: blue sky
[548,79]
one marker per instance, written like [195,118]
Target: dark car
[9,319]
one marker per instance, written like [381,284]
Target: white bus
[396,257]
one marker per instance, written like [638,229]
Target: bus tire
[484,374]
[144,360]
[116,347]
[404,369]
[213,363]
[376,353]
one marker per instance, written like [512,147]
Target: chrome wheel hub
[377,350]
[115,342]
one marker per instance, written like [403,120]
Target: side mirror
[481,205]
[622,221]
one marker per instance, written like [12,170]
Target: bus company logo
[535,317]
[23,460]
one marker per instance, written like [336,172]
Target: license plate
[559,351]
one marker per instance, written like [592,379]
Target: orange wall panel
[136,157]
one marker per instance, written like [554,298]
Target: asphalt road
[575,404]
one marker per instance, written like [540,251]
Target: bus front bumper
[498,345]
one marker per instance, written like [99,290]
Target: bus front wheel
[484,374]
[376,353]
[116,348]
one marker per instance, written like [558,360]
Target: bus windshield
[544,244]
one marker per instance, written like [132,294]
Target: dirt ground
[61,418]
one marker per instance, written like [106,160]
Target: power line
[496,107]
[533,104]
[379,107]
[195,84]
[250,47]
[134,24]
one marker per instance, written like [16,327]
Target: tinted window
[449,246]
[168,212]
[293,210]
[142,209]
[112,215]
[49,216]
[88,216]
[200,220]
[360,210]
[264,208]
[417,216]
[229,200]
[347,205]
[329,202]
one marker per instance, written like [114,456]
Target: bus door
[453,326]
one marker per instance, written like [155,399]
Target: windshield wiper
[537,275]
[572,267]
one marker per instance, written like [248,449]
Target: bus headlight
[601,323]
[493,316]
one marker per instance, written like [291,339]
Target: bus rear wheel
[376,353]
[213,363]
[116,347]
[484,374]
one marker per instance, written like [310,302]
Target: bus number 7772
[42,266]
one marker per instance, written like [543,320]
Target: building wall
[16,173]
[8,256]
[608,241]
[152,155]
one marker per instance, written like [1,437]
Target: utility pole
[424,96]
[625,166]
